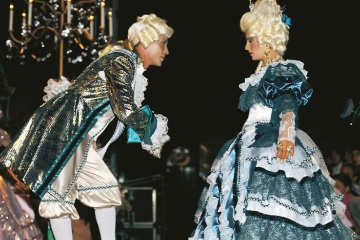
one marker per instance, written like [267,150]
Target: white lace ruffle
[139,85]
[339,206]
[247,139]
[286,209]
[255,78]
[159,138]
[53,88]
[303,164]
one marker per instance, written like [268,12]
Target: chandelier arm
[44,30]
[84,2]
[77,40]
[16,40]
[47,5]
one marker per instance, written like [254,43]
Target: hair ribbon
[285,19]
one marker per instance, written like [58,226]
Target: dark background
[197,86]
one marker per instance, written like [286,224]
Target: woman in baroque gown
[270,181]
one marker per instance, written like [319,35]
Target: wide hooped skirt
[252,196]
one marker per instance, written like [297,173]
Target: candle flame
[11,6]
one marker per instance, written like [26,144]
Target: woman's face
[255,50]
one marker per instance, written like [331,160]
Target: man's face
[155,53]
[339,185]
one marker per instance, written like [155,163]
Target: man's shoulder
[120,52]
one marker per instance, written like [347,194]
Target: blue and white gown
[250,195]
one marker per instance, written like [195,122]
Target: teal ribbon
[50,234]
[285,19]
[134,137]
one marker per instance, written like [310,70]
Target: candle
[91,19]
[68,12]
[30,12]
[102,15]
[110,23]
[11,18]
[23,20]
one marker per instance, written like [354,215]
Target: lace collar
[255,78]
[139,85]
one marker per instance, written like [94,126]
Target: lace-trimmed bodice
[255,78]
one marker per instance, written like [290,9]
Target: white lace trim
[53,87]
[255,78]
[280,207]
[299,167]
[159,138]
[223,165]
[287,127]
[339,206]
[139,85]
[247,138]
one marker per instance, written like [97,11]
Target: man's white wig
[147,29]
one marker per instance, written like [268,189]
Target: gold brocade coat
[42,148]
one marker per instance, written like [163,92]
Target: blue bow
[285,19]
[134,137]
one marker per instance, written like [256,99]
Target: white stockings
[106,220]
[61,228]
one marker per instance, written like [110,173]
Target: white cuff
[159,138]
[54,87]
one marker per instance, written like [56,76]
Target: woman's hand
[285,150]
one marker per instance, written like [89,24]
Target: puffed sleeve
[281,80]
[119,75]
[284,88]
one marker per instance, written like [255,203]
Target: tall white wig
[264,21]
[147,29]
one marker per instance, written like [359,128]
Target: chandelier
[75,30]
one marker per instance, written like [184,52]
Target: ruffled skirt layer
[253,196]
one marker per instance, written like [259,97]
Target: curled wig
[147,29]
[264,21]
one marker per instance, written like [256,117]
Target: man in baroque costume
[55,153]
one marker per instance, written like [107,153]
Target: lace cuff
[159,138]
[287,127]
[53,88]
